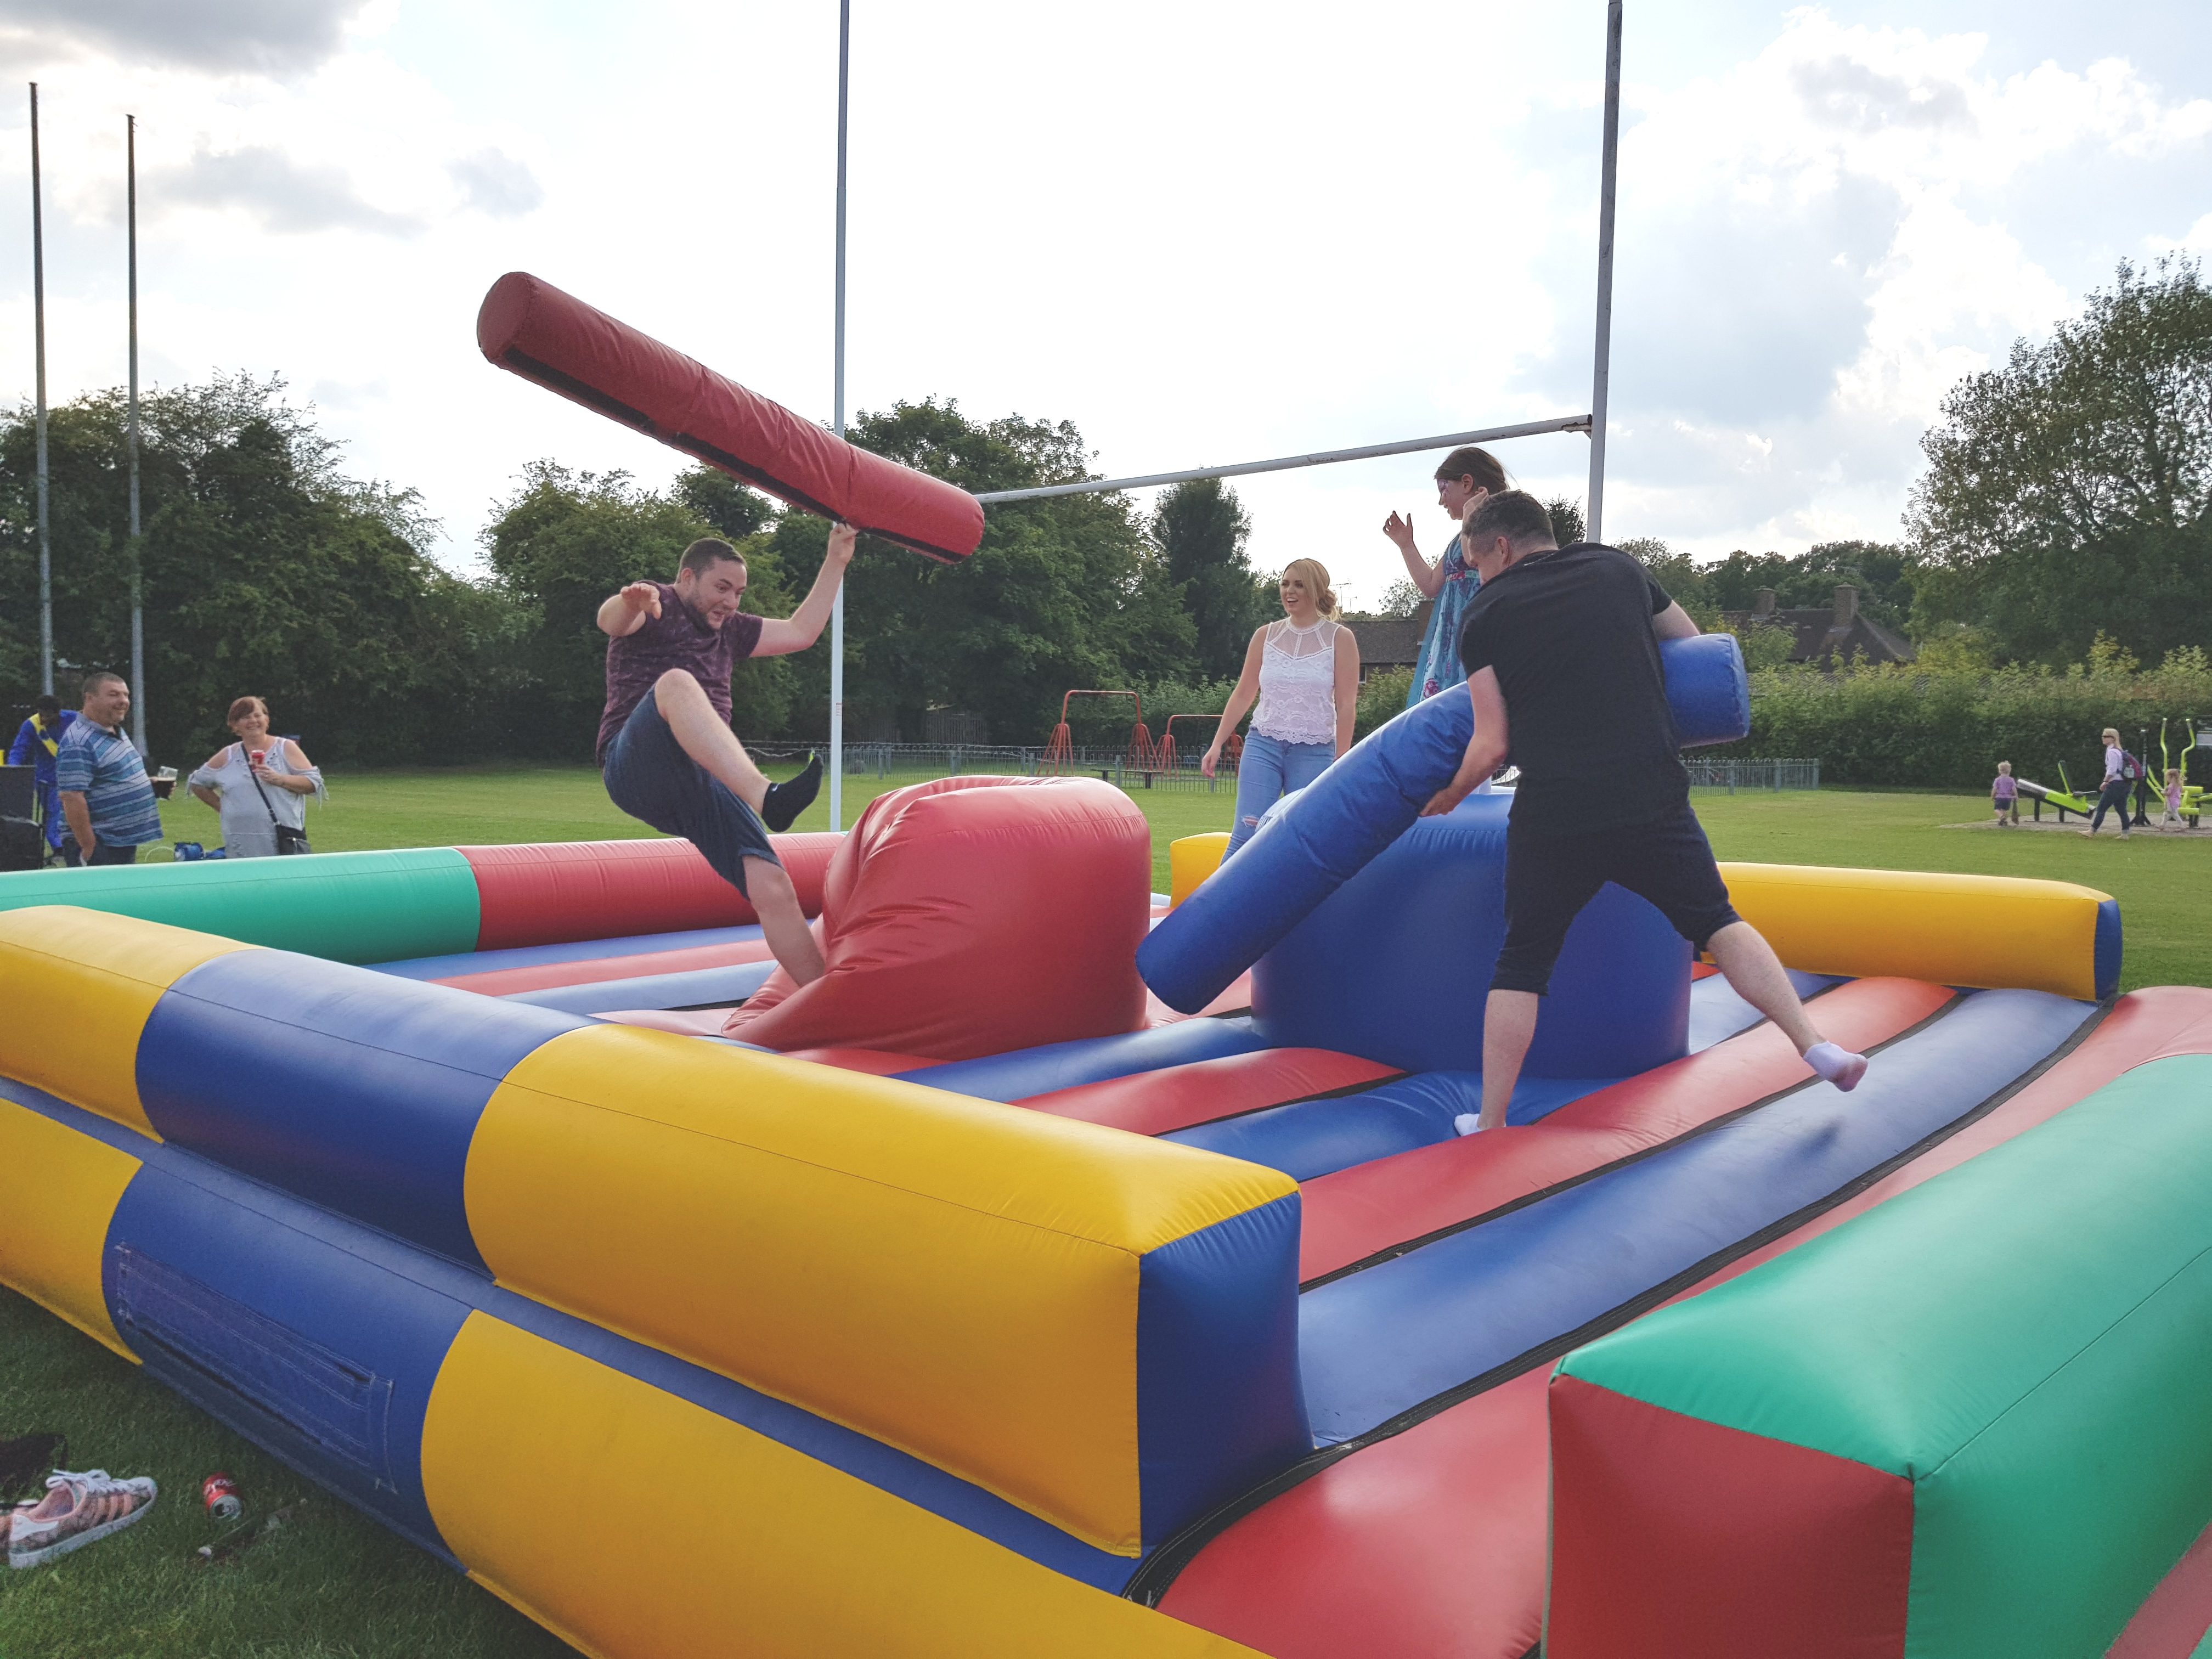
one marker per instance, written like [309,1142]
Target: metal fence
[1734,774]
[881,760]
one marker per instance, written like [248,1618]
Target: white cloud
[223,36]
[1204,233]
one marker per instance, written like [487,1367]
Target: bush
[1383,699]
[1947,724]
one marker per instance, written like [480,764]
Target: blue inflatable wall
[1395,964]
[1363,804]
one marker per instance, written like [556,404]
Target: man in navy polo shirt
[1561,646]
[105,793]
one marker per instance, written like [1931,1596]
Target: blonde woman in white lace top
[1305,669]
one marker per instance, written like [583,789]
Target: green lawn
[336,1585]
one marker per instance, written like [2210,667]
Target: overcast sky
[1204,233]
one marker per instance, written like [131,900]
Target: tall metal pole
[138,574]
[837,609]
[39,339]
[1601,370]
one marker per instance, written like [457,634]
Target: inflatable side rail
[432,900]
[1366,801]
[530,328]
[1989,932]
[1969,1423]
[1098,1328]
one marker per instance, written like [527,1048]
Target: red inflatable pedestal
[532,329]
[969,917]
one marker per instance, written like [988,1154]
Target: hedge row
[1902,725]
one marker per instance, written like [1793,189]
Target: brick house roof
[1389,641]
[1836,635]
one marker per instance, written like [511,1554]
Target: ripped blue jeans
[1271,770]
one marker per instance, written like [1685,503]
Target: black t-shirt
[1569,633]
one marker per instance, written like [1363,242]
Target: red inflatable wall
[972,915]
[555,892]
[555,339]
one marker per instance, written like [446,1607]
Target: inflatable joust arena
[1077,1270]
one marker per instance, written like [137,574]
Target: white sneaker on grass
[77,1510]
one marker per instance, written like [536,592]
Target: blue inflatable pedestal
[1395,964]
[1414,953]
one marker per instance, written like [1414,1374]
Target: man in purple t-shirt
[667,751]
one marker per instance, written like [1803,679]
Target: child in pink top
[2171,817]
[2006,793]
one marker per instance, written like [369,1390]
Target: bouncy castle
[1075,1270]
[1041,1280]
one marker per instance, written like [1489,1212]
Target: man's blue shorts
[650,777]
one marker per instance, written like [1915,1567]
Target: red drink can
[220,1493]
[257,758]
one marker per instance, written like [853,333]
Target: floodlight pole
[837,608]
[38,351]
[138,574]
[1600,371]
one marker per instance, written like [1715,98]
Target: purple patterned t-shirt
[676,638]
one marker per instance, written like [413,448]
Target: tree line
[2064,503]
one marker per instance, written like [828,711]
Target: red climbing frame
[1165,754]
[1060,753]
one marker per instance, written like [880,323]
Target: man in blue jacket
[38,741]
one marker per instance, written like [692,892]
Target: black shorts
[650,777]
[1550,877]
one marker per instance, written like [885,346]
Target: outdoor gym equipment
[1060,752]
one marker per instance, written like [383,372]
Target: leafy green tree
[563,542]
[1062,592]
[1567,519]
[2068,492]
[1400,600]
[265,570]
[1200,530]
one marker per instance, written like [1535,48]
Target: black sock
[786,801]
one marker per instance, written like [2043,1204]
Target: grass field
[335,1586]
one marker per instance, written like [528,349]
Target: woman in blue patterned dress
[1466,475]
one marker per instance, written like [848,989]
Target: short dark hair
[706,553]
[101,677]
[1514,514]
[48,705]
[1479,464]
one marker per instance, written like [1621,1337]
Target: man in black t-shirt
[1562,654]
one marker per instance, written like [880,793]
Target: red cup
[257,758]
[220,1493]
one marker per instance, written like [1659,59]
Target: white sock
[1838,1065]
[1468,1123]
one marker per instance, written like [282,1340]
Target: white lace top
[1298,683]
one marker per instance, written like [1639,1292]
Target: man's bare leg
[1754,973]
[705,737]
[783,924]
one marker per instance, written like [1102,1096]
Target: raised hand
[842,536]
[1467,510]
[642,596]
[1400,529]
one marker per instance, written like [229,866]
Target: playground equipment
[1232,747]
[1141,757]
